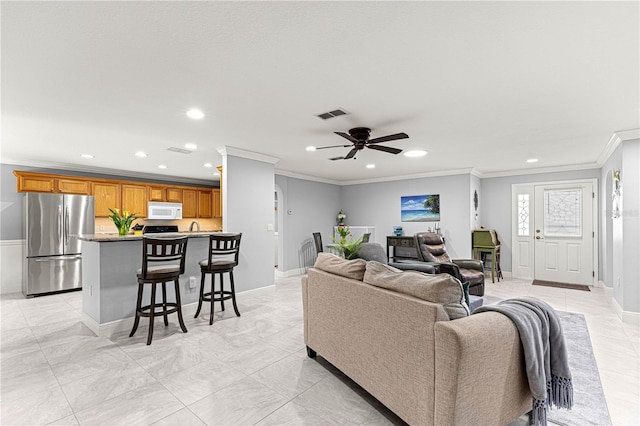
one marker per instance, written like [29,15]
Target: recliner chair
[431,248]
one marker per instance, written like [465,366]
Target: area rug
[589,405]
[561,285]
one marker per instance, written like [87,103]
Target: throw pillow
[437,288]
[333,264]
[465,288]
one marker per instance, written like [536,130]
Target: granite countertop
[131,237]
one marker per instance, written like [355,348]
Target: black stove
[160,229]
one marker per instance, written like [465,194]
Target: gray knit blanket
[545,353]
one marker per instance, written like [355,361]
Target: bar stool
[224,250]
[163,261]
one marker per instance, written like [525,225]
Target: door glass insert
[523,215]
[562,213]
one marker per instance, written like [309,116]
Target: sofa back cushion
[440,288]
[333,264]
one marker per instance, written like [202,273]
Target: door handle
[538,237]
[66,228]
[57,258]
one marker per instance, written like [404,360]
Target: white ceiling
[479,85]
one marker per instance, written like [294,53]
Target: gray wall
[314,207]
[495,203]
[378,204]
[606,222]
[248,208]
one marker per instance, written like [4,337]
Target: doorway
[554,231]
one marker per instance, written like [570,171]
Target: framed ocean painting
[420,208]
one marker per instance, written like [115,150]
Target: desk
[486,241]
[404,247]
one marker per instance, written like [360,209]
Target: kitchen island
[110,284]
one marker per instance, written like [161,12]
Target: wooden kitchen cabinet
[74,186]
[205,203]
[157,193]
[134,199]
[106,195]
[27,182]
[189,203]
[173,195]
[217,202]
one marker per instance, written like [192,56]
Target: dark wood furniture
[224,251]
[163,261]
[401,248]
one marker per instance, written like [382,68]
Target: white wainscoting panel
[11,266]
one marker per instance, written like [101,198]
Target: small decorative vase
[343,240]
[123,230]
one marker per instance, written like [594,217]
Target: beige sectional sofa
[407,353]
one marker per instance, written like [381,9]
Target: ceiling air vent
[180,150]
[334,113]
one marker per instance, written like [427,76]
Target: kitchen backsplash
[104,225]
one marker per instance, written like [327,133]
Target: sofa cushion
[333,264]
[440,288]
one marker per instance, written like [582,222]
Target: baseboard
[626,316]
[291,273]
[11,260]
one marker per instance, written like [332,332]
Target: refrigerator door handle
[60,223]
[66,228]
[56,258]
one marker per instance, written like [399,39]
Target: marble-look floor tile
[290,339]
[291,376]
[15,342]
[197,382]
[292,414]
[252,358]
[59,333]
[18,365]
[169,360]
[141,406]
[105,384]
[77,349]
[184,417]
[107,358]
[66,421]
[51,315]
[246,402]
[12,319]
[336,402]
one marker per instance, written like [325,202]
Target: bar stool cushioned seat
[224,251]
[163,260]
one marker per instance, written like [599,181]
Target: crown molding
[114,173]
[539,170]
[616,139]
[295,175]
[251,155]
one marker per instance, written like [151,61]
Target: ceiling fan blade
[351,153]
[389,138]
[336,158]
[347,136]
[334,146]
[385,149]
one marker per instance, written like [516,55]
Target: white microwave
[164,210]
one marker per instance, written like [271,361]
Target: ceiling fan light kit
[359,138]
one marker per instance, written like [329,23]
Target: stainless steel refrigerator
[53,260]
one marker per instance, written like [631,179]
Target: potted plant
[122,221]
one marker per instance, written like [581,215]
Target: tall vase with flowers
[349,248]
[122,221]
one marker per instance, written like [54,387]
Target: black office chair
[162,261]
[224,251]
[317,239]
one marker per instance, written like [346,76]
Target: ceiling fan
[359,138]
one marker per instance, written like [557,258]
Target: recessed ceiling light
[371,166]
[415,153]
[87,156]
[532,160]
[191,146]
[141,154]
[208,165]
[162,166]
[311,148]
[195,114]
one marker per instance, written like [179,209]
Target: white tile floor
[247,370]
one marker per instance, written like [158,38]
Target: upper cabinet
[173,195]
[205,203]
[125,195]
[106,196]
[157,193]
[189,203]
[135,199]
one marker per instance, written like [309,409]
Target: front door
[554,232]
